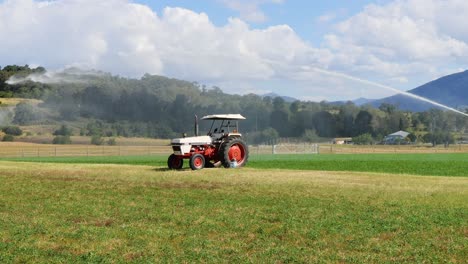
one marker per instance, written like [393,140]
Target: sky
[303,49]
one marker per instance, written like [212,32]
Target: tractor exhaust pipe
[196,125]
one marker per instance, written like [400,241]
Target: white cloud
[405,37]
[107,35]
[401,43]
[250,10]
[130,39]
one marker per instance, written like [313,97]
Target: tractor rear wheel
[174,162]
[234,149]
[197,162]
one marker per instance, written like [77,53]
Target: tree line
[161,107]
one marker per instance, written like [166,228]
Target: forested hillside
[156,106]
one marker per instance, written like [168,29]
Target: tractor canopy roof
[223,117]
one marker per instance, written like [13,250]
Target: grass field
[127,211]
[441,164]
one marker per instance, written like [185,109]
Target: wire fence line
[382,149]
[91,150]
[304,148]
[290,148]
[308,148]
[80,151]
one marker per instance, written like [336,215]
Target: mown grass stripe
[417,164]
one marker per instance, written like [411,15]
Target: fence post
[55,151]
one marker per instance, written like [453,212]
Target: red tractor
[222,146]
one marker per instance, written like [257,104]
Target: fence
[360,149]
[304,148]
[80,150]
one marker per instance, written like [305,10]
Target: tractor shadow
[166,169]
[183,169]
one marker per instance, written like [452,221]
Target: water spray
[345,76]
[69,75]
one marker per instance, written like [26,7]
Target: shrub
[439,137]
[111,142]
[412,137]
[61,140]
[12,130]
[63,131]
[24,114]
[310,136]
[364,139]
[8,137]
[97,140]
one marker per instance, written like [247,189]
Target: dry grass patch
[15,101]
[46,137]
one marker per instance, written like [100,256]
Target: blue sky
[302,16]
[311,50]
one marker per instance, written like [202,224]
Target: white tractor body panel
[186,143]
[183,149]
[200,140]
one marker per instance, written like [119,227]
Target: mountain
[360,101]
[450,90]
[287,99]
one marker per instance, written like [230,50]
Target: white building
[400,137]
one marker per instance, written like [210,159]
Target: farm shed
[342,141]
[397,138]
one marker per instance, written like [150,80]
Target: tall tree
[362,124]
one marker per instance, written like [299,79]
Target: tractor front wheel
[197,162]
[234,149]
[174,162]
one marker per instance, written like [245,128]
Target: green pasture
[108,213]
[416,164]
[279,209]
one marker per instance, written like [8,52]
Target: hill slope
[450,90]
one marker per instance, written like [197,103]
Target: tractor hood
[201,140]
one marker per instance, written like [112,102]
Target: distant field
[86,140]
[15,101]
[25,150]
[441,164]
[107,213]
